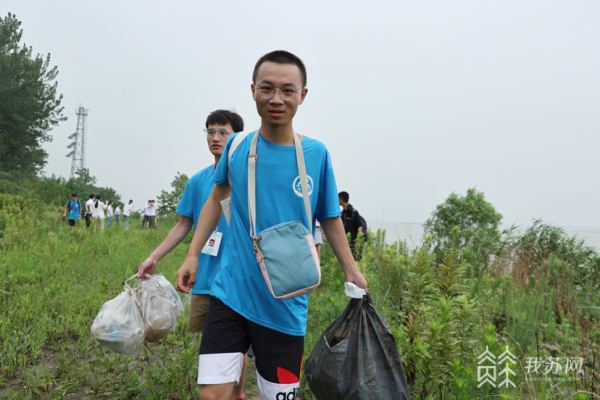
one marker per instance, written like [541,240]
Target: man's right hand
[147,267]
[186,276]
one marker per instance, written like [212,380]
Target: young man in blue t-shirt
[73,207]
[242,310]
[220,125]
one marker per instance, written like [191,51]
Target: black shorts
[72,222]
[227,337]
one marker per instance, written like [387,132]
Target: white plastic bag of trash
[157,306]
[171,292]
[119,326]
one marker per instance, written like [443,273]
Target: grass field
[53,282]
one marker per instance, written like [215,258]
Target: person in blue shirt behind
[220,125]
[74,208]
[242,311]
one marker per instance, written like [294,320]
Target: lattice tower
[80,138]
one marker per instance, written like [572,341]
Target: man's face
[341,201]
[277,111]
[217,142]
[74,198]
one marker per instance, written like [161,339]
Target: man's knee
[216,392]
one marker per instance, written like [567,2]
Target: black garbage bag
[357,358]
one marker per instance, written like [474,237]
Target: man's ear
[303,94]
[253,88]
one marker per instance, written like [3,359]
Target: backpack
[365,229]
[70,205]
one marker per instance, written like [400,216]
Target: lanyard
[213,172]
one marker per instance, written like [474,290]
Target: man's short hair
[73,194]
[281,57]
[130,201]
[344,196]
[222,117]
[91,196]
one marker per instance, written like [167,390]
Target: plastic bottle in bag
[119,326]
[357,358]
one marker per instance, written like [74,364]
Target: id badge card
[212,246]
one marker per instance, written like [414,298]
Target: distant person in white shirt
[126,212]
[118,213]
[109,213]
[145,219]
[88,210]
[151,213]
[98,211]
[318,235]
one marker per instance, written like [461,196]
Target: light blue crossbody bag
[285,252]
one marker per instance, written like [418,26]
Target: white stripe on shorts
[215,369]
[276,391]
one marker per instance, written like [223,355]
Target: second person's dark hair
[222,117]
[281,57]
[344,196]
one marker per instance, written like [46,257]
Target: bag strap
[252,159]
[234,145]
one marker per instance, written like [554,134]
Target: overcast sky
[415,100]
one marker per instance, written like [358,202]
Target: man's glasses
[267,92]
[223,133]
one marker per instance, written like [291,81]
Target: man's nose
[277,99]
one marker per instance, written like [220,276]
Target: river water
[413,233]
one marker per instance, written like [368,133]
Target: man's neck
[345,206]
[217,158]
[283,135]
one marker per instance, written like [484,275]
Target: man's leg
[224,342]
[279,359]
[126,221]
[72,223]
[109,222]
[118,219]
[88,221]
[199,306]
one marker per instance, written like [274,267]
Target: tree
[168,201]
[29,104]
[477,220]
[84,184]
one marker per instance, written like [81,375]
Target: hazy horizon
[414,100]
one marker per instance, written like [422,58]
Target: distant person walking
[352,222]
[127,212]
[145,219]
[118,213]
[88,210]
[318,236]
[98,210]
[151,213]
[109,213]
[74,208]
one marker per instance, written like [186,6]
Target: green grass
[53,282]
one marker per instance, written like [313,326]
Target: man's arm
[65,213]
[207,222]
[174,237]
[334,229]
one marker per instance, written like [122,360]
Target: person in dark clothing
[352,222]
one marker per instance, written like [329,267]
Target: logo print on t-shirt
[298,186]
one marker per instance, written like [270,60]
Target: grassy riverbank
[442,311]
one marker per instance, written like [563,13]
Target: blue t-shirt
[197,191]
[240,283]
[73,207]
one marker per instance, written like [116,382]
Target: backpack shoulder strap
[234,145]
